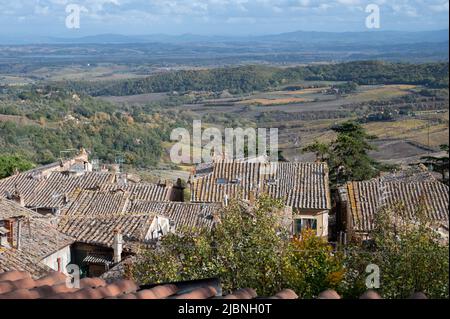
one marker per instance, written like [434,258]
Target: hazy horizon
[216,17]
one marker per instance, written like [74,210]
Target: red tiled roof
[20,285]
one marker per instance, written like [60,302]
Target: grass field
[276,101]
[303,91]
[136,99]
[381,92]
[421,131]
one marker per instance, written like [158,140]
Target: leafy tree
[349,158]
[346,88]
[11,163]
[321,150]
[348,155]
[313,266]
[249,248]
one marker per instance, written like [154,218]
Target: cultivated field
[305,115]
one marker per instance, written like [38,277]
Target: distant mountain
[370,37]
[303,37]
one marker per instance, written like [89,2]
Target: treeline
[106,139]
[46,122]
[246,79]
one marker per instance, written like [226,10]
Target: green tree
[349,158]
[313,265]
[321,150]
[250,247]
[410,254]
[348,155]
[11,163]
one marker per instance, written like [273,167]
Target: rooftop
[38,239]
[52,190]
[300,185]
[366,198]
[20,285]
[93,215]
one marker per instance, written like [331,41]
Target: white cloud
[331,14]
[442,7]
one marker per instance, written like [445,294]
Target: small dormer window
[222,181]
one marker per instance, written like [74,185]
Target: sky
[216,17]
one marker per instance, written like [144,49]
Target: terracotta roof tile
[242,294]
[286,294]
[370,294]
[142,191]
[418,295]
[94,214]
[39,238]
[300,185]
[20,285]
[49,191]
[366,198]
[199,293]
[329,294]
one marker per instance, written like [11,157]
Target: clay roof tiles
[39,239]
[20,285]
[366,198]
[300,185]
[49,191]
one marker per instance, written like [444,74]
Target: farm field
[135,99]
[410,120]
[382,92]
[303,116]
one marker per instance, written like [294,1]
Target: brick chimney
[18,198]
[117,246]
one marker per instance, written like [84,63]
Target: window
[304,223]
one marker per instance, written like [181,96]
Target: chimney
[225,200]
[18,198]
[117,246]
